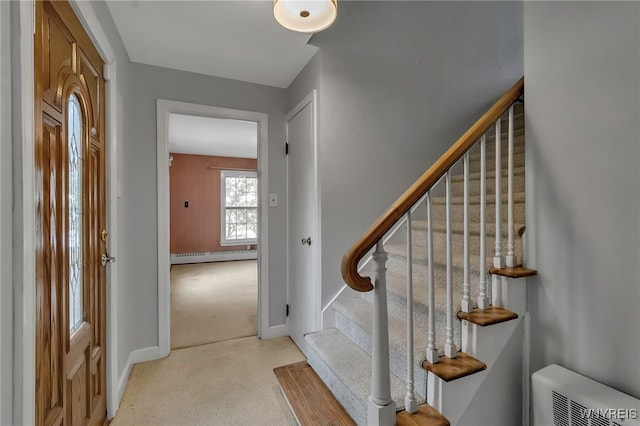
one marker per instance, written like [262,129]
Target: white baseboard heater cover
[214,256]
[564,398]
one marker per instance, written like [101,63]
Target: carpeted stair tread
[518,198]
[354,318]
[474,164]
[351,366]
[397,287]
[360,312]
[419,254]
[458,227]
[475,176]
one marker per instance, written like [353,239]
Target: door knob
[105,259]
[306,241]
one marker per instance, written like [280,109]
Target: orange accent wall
[197,228]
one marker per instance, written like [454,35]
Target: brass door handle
[105,259]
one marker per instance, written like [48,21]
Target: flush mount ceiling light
[305,16]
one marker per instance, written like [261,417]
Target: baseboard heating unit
[213,256]
[564,398]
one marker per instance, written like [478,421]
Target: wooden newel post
[381,409]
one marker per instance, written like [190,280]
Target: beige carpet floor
[224,383]
[212,302]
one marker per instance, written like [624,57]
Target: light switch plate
[273,200]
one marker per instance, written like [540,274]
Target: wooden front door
[70,203]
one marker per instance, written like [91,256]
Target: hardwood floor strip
[493,315]
[426,416]
[311,400]
[515,272]
[449,369]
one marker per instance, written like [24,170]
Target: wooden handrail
[402,205]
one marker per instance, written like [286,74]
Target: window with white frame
[239,207]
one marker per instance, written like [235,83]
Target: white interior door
[302,233]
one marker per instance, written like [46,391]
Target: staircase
[352,350]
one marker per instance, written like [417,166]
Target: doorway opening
[213,186]
[212,224]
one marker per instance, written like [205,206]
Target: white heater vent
[215,256]
[564,398]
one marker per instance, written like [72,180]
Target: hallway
[224,383]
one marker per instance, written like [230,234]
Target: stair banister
[483,298]
[511,258]
[381,407]
[467,303]
[432,352]
[497,255]
[402,205]
[410,402]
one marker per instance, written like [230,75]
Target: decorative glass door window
[239,207]
[74,141]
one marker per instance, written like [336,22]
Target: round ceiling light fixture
[305,16]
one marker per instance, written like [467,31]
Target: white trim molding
[24,220]
[140,355]
[163,110]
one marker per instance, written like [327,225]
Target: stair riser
[457,212]
[397,305]
[474,163]
[457,187]
[419,240]
[518,146]
[398,265]
[397,355]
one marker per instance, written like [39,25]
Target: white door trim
[163,109]
[24,350]
[25,221]
[310,99]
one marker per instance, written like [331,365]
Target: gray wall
[139,285]
[400,82]
[582,67]
[6,295]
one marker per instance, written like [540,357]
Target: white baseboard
[217,256]
[275,331]
[141,355]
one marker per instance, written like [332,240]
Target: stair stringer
[500,347]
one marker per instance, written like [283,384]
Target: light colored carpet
[224,383]
[212,302]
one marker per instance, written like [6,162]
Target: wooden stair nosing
[425,416]
[309,397]
[449,369]
[515,272]
[493,315]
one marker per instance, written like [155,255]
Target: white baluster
[467,304]
[483,298]
[432,352]
[381,408]
[410,403]
[511,257]
[449,347]
[497,255]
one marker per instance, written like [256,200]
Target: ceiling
[221,137]
[237,39]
